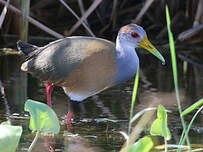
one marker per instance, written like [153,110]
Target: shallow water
[89,131]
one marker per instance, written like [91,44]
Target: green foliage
[190,124]
[159,126]
[9,137]
[172,48]
[173,57]
[144,144]
[42,117]
[175,75]
[192,107]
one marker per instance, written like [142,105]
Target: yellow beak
[146,44]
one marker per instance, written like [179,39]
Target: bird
[84,66]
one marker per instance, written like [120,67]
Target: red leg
[70,113]
[49,89]
[68,118]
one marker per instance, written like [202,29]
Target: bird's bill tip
[146,44]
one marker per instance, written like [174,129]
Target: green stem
[189,126]
[34,141]
[175,73]
[166,146]
[133,99]
[183,124]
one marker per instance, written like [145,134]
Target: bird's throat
[127,62]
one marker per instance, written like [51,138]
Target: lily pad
[9,137]
[42,117]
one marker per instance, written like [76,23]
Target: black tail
[26,48]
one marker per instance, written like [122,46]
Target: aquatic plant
[42,120]
[9,134]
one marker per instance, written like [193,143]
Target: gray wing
[55,61]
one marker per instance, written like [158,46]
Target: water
[90,132]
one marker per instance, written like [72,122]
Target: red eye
[135,35]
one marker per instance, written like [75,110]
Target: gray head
[134,36]
[131,35]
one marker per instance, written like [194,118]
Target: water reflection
[155,87]
[14,81]
[78,144]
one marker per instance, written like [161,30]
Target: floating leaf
[145,144]
[159,126]
[9,135]
[192,107]
[42,117]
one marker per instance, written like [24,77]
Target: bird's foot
[49,89]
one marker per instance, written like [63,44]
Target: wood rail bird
[84,66]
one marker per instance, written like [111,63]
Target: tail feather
[26,48]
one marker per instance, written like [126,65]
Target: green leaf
[175,74]
[172,48]
[192,107]
[42,117]
[145,144]
[159,126]
[9,137]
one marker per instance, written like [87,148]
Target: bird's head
[135,36]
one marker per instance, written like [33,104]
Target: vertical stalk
[25,7]
[175,75]
[166,145]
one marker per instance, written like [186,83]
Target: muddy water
[89,131]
